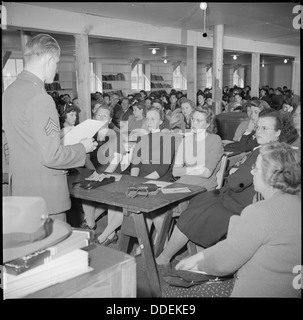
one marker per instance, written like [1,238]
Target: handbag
[187,279]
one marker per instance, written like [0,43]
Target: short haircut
[105,107]
[283,122]
[40,45]
[190,102]
[140,105]
[210,118]
[160,111]
[281,166]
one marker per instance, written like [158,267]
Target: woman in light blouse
[198,156]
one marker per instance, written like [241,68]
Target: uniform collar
[29,76]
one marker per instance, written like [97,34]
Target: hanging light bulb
[235,57]
[165,61]
[262,64]
[285,60]
[203,5]
[154,51]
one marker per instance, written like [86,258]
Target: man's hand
[89,144]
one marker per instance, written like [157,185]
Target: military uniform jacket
[37,157]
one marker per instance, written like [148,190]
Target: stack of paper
[47,267]
[61,269]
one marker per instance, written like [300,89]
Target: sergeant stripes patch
[51,126]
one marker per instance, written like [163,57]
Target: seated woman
[151,160]
[248,141]
[68,118]
[198,156]
[206,219]
[105,159]
[243,126]
[296,117]
[264,243]
[187,109]
[136,121]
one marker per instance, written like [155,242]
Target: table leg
[147,255]
[168,219]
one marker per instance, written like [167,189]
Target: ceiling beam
[21,16]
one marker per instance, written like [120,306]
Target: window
[93,78]
[209,78]
[12,68]
[238,76]
[137,76]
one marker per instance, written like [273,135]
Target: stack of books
[47,267]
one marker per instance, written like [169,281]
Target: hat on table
[28,228]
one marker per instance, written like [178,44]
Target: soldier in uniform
[38,161]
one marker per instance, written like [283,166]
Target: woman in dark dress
[206,219]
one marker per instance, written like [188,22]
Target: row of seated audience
[216,219]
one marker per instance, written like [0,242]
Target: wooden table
[113,276]
[134,224]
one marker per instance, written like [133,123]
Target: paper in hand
[85,129]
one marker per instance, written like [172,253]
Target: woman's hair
[210,118]
[105,107]
[160,111]
[67,108]
[190,102]
[283,122]
[281,166]
[140,105]
[261,104]
[40,45]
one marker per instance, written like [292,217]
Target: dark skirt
[206,220]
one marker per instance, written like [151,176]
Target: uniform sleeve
[44,121]
[243,240]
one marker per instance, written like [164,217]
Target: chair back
[221,172]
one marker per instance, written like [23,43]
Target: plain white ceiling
[268,22]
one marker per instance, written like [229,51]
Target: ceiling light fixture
[154,50]
[235,57]
[165,61]
[262,64]
[203,6]
[285,60]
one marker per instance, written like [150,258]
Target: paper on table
[99,177]
[160,184]
[175,190]
[85,129]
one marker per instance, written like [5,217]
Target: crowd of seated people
[273,116]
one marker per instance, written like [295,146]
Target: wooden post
[83,75]
[255,74]
[217,74]
[295,77]
[191,72]
[25,37]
